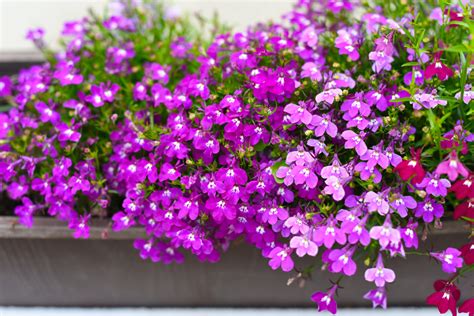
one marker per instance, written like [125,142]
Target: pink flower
[411,169]
[326,301]
[380,275]
[452,167]
[445,297]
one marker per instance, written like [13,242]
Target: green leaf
[411,64]
[260,146]
[401,100]
[461,48]
[275,168]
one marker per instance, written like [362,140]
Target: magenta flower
[304,175]
[304,246]
[452,167]
[323,124]
[340,261]
[385,234]
[334,187]
[273,214]
[5,86]
[402,203]
[429,210]
[325,300]
[67,133]
[80,226]
[379,274]
[345,41]
[298,113]
[46,113]
[220,208]
[437,68]
[435,186]
[450,259]
[354,141]
[329,95]
[312,71]
[300,157]
[281,257]
[328,234]
[168,172]
[297,224]
[377,202]
[378,297]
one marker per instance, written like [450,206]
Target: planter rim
[21,56]
[51,228]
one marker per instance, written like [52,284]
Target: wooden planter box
[45,266]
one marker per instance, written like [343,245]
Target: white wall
[17,16]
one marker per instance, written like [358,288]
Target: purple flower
[220,208]
[450,259]
[434,185]
[297,224]
[298,113]
[329,95]
[429,210]
[328,234]
[326,301]
[80,226]
[377,202]
[341,261]
[323,124]
[281,257]
[345,41]
[304,175]
[378,297]
[168,172]
[334,187]
[273,214]
[452,167]
[354,141]
[385,234]
[46,113]
[67,133]
[312,71]
[379,274]
[5,86]
[402,203]
[427,100]
[304,246]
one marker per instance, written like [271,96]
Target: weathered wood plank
[51,228]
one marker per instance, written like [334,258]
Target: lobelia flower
[377,202]
[220,208]
[409,235]
[385,234]
[334,187]
[465,209]
[274,214]
[281,257]
[467,307]
[297,224]
[402,203]
[344,41]
[329,96]
[445,298]
[411,169]
[354,141]
[300,157]
[452,167]
[434,185]
[437,68]
[304,246]
[5,86]
[450,259]
[67,133]
[340,261]
[464,188]
[416,75]
[328,234]
[304,175]
[323,124]
[46,113]
[380,275]
[378,297]
[80,226]
[312,71]
[429,210]
[467,97]
[427,100]
[298,113]
[325,300]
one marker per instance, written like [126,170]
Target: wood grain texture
[66,272]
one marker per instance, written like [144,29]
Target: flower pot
[45,266]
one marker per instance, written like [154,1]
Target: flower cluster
[339,134]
